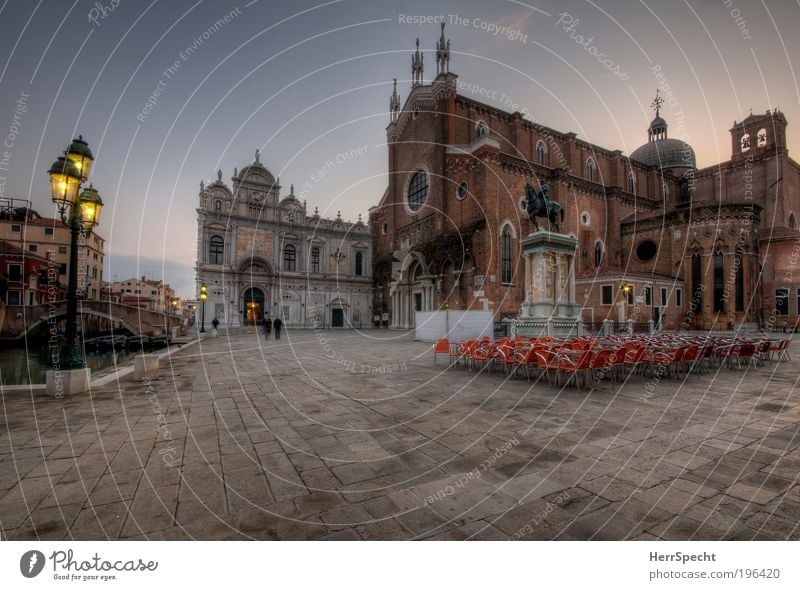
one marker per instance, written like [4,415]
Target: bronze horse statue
[538,205]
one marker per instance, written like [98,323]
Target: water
[19,366]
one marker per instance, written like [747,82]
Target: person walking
[267,325]
[278,323]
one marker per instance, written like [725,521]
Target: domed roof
[256,167]
[666,153]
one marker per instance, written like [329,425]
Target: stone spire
[443,54]
[416,67]
[394,104]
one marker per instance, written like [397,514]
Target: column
[571,270]
[556,277]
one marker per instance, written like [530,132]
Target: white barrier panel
[453,324]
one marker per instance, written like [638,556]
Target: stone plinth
[145,367]
[60,383]
[549,304]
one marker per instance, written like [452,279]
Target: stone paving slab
[346,435]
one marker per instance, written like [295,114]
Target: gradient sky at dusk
[308,83]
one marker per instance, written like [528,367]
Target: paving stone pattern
[348,435]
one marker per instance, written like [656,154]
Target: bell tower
[758,134]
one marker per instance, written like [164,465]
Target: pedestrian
[214,324]
[267,325]
[278,324]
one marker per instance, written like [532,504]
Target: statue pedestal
[549,307]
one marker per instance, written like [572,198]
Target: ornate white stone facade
[258,252]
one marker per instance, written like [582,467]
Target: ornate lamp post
[80,211]
[203,297]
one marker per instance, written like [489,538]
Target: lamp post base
[71,357]
[62,382]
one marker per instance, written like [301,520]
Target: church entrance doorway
[337,318]
[253,306]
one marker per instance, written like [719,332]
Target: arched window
[217,205]
[418,190]
[631,183]
[697,281]
[541,153]
[745,142]
[314,259]
[480,130]
[289,258]
[506,274]
[359,263]
[665,190]
[598,253]
[719,281]
[591,170]
[761,138]
[216,249]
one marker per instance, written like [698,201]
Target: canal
[21,366]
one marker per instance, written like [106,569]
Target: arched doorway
[254,306]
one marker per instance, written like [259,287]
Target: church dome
[666,153]
[663,151]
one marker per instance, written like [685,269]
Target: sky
[167,92]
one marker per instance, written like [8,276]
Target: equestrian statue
[538,205]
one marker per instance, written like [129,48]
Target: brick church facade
[658,238]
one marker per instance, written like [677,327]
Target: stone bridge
[22,320]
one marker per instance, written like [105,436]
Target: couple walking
[269,323]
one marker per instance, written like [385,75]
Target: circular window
[646,250]
[385,228]
[523,205]
[585,219]
[462,191]
[417,190]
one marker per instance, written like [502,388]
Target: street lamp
[203,297]
[80,211]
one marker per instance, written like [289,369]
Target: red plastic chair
[442,346]
[569,365]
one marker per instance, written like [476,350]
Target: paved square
[346,435]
